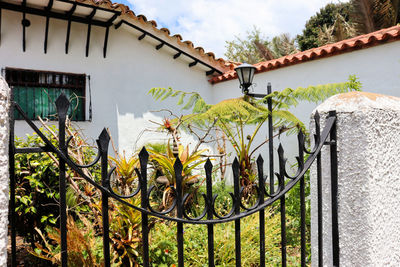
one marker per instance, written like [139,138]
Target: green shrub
[36,177]
[163,246]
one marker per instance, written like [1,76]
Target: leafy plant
[36,177]
[84,247]
[125,168]
[325,16]
[125,229]
[166,162]
[163,248]
[233,115]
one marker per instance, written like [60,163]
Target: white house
[102,52]
[53,45]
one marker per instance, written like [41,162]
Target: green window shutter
[39,101]
[37,91]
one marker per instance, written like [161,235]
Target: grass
[163,248]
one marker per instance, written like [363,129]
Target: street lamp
[245,73]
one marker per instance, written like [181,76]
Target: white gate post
[368,133]
[4,178]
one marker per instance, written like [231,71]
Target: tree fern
[251,111]
[232,115]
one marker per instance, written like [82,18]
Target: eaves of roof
[163,33]
[359,42]
[105,13]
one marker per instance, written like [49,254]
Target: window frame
[80,83]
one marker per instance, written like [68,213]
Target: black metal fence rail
[209,216]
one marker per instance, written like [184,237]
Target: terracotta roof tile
[355,43]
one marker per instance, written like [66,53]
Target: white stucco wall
[368,130]
[4,133]
[119,83]
[378,68]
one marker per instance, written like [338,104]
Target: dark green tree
[326,16]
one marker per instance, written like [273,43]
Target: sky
[210,23]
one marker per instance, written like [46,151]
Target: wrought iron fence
[209,217]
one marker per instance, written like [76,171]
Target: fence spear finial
[62,105]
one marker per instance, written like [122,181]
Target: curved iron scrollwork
[103,142]
[209,214]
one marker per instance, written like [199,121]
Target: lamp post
[245,73]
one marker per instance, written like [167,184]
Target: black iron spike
[62,105]
[260,161]
[235,167]
[143,153]
[143,159]
[236,184]
[179,208]
[208,166]
[104,140]
[317,119]
[301,139]
[281,153]
[178,167]
[261,190]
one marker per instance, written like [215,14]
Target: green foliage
[36,177]
[373,15]
[247,49]
[163,250]
[256,48]
[283,100]
[293,210]
[232,115]
[283,45]
[326,16]
[165,161]
[194,101]
[125,232]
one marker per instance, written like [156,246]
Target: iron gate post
[62,105]
[334,191]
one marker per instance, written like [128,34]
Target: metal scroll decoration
[209,215]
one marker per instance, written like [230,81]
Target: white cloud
[209,23]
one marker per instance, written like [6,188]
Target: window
[37,91]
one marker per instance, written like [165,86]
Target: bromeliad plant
[233,115]
[166,162]
[125,169]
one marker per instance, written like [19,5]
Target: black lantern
[245,73]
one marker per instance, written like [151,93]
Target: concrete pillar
[4,178]
[368,130]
